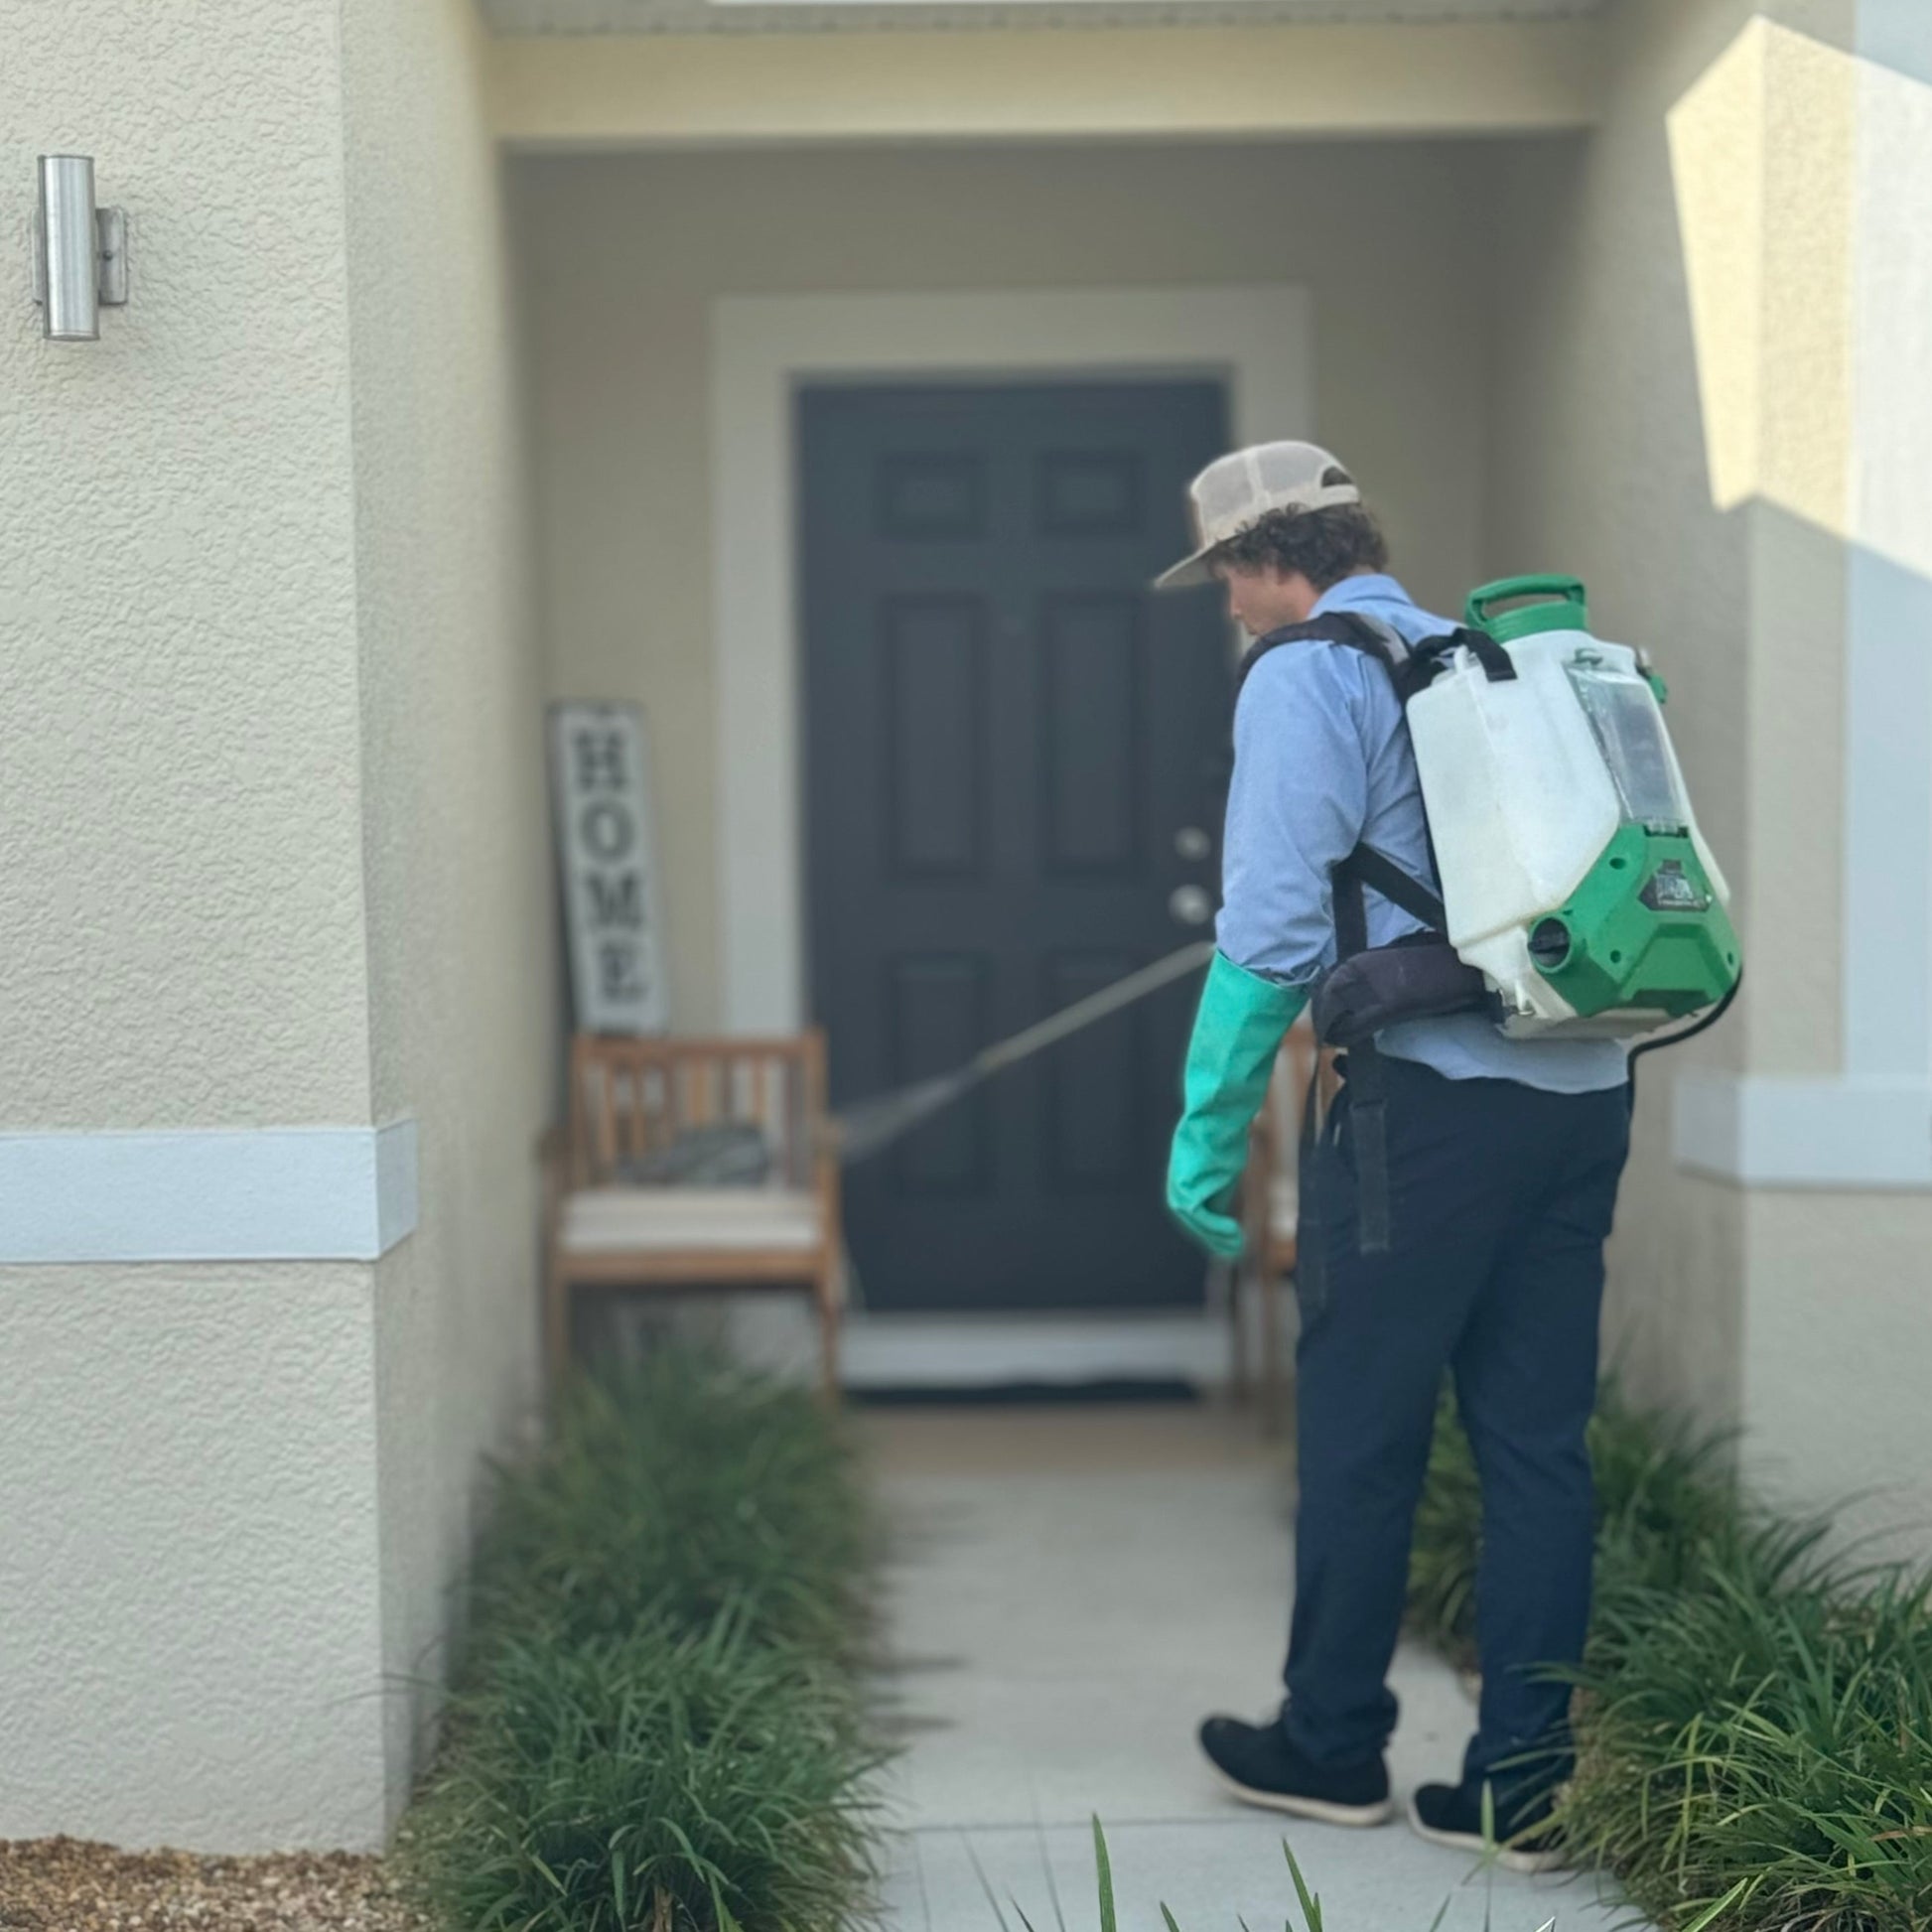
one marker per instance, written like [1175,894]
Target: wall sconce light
[80,251]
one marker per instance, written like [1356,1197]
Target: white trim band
[273,1193]
[1849,1135]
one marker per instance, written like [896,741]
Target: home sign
[600,777]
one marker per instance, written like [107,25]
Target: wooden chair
[630,1098]
[1271,1213]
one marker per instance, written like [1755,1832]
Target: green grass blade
[1311,1902]
[1711,1915]
[1103,1867]
[986,1884]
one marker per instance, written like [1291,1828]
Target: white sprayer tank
[1523,801]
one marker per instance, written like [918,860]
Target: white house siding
[1676,357]
[619,258]
[268,860]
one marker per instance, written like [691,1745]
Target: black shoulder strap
[1366,869]
[1333,627]
[1427,660]
[1365,866]
[1410,668]
[1380,874]
[1367,1088]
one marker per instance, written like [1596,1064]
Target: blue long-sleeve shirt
[1323,764]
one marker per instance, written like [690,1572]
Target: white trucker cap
[1234,493]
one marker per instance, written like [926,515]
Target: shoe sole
[1475,1845]
[1317,1811]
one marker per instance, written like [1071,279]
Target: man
[1502,1162]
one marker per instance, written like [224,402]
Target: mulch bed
[63,1884]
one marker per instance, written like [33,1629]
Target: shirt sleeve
[1297,805]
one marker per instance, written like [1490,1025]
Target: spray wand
[871,1126]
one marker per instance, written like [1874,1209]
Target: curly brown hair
[1324,545]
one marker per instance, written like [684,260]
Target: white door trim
[1258,340]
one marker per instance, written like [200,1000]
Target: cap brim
[1189,572]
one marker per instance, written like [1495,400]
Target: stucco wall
[620,256]
[1673,381]
[1599,469]
[187,1527]
[270,856]
[176,592]
[453,819]
[188,1569]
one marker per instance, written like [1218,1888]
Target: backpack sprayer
[1578,897]
[1574,874]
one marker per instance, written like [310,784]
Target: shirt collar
[1351,593]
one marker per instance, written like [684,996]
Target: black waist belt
[1418,978]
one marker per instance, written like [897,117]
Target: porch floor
[1074,1589]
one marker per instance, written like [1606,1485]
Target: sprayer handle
[1505,589]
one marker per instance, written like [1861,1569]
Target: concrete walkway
[1073,1590]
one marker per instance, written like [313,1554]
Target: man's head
[1277,525]
[1275,573]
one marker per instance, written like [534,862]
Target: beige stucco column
[1802,156]
[274,963]
[1714,368]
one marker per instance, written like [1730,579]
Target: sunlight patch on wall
[1891,477]
[1762,160]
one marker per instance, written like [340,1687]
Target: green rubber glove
[1238,1030]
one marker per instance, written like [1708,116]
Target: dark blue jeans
[1501,1197]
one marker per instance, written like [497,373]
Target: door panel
[932,658]
[1005,730]
[1091,750]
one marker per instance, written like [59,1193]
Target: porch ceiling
[791,15]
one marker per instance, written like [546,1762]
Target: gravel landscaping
[61,1884]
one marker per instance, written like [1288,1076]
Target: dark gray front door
[1013,750]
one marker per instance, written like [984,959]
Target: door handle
[1191,906]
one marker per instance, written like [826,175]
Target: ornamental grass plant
[659,1726]
[661,1778]
[1753,1718]
[1757,1742]
[685,1487]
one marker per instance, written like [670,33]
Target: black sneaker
[1261,1767]
[1451,1815]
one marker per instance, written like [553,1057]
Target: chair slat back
[630,1098]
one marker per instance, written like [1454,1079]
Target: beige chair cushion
[637,1220]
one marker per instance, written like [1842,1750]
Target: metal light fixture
[80,251]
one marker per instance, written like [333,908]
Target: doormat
[1044,1395]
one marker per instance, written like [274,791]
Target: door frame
[1259,340]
